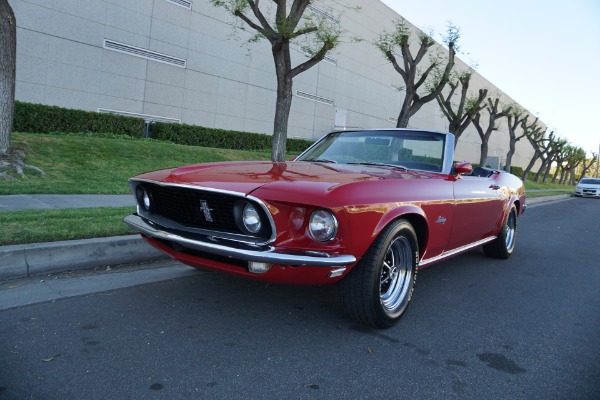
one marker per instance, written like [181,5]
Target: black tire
[378,290]
[503,246]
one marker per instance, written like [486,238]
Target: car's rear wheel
[378,290]
[503,246]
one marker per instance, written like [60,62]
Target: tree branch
[296,12]
[390,56]
[261,18]
[303,31]
[311,62]
[254,26]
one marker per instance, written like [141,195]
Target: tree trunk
[484,153]
[283,105]
[530,166]
[541,169]
[509,155]
[280,125]
[547,172]
[8,51]
[556,172]
[404,115]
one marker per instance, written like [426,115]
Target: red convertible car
[367,208]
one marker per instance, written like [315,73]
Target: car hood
[295,176]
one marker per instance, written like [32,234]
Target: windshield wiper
[323,160]
[378,164]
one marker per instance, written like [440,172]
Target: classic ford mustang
[367,208]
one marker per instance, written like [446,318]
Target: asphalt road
[478,328]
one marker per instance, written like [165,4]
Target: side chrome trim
[266,256]
[451,253]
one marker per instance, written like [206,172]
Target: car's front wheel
[503,246]
[378,290]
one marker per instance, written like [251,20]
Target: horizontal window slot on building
[144,53]
[314,97]
[148,118]
[330,60]
[324,14]
[182,3]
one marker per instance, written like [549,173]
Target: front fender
[404,210]
[370,220]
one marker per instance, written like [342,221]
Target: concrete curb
[545,199]
[24,260]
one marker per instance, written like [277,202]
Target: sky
[543,54]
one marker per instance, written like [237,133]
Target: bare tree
[494,114]
[574,158]
[535,136]
[516,118]
[588,166]
[553,143]
[287,24]
[8,51]
[561,156]
[420,87]
[561,163]
[460,118]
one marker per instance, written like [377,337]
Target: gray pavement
[20,261]
[18,202]
[478,328]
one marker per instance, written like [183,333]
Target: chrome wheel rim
[511,230]
[396,274]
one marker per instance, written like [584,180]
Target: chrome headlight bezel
[322,225]
[249,218]
[144,198]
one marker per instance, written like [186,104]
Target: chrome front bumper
[267,255]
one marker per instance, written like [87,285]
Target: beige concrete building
[178,61]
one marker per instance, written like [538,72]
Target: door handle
[494,187]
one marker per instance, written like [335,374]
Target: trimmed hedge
[194,135]
[39,118]
[517,171]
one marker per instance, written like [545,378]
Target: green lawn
[76,165]
[32,226]
[535,189]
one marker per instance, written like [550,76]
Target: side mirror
[463,168]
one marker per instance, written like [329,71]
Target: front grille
[185,206]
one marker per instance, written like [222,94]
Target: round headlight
[322,225]
[143,198]
[251,219]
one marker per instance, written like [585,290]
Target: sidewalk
[19,202]
[20,261]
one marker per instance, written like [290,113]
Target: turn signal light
[258,267]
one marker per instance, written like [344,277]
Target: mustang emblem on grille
[204,208]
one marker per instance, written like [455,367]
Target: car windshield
[394,148]
[589,181]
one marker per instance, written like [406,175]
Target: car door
[478,206]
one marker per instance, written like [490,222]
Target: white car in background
[588,187]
